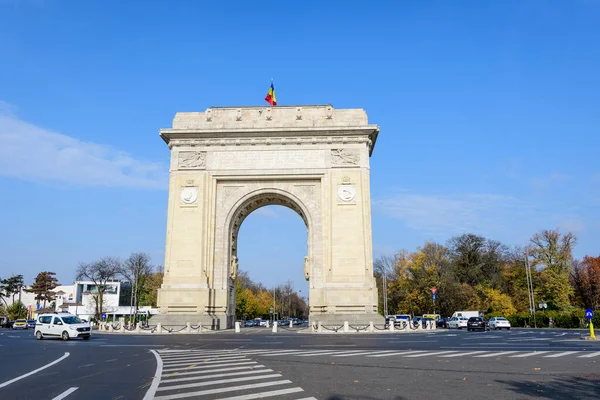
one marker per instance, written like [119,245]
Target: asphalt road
[515,364]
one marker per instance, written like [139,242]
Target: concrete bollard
[420,326]
[199,327]
[320,327]
[237,327]
[159,328]
[122,328]
[188,327]
[138,328]
[391,326]
[371,327]
[110,327]
[346,327]
[291,323]
[274,330]
[268,325]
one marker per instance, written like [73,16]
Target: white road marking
[285,354]
[399,353]
[564,353]
[535,353]
[502,353]
[65,393]
[464,354]
[272,393]
[217,382]
[207,358]
[323,354]
[251,367]
[317,352]
[195,378]
[223,390]
[210,366]
[327,345]
[34,371]
[156,380]
[178,363]
[597,353]
[429,354]
[363,353]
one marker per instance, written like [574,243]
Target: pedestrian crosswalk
[224,375]
[205,359]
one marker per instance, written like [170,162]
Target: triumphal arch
[228,161]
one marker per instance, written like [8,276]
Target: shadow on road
[572,387]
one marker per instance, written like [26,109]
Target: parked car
[20,324]
[475,323]
[250,323]
[442,322]
[427,322]
[457,322]
[499,323]
[61,325]
[31,323]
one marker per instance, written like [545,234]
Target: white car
[61,325]
[457,322]
[498,323]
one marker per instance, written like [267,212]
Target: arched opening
[269,252]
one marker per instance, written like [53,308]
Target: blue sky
[488,113]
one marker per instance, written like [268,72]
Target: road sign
[103,316]
[433,290]
[433,295]
[589,313]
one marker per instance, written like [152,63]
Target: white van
[465,314]
[62,325]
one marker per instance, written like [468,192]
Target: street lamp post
[530,288]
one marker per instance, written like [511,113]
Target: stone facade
[225,163]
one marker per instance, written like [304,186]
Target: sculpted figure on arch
[234,268]
[306,270]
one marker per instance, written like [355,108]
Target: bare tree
[136,269]
[99,273]
[383,267]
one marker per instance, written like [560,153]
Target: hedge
[568,319]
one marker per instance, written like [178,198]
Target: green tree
[12,286]
[17,310]
[150,285]
[552,254]
[42,286]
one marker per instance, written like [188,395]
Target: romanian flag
[271,96]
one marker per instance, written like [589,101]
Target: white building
[78,299]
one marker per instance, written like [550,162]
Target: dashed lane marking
[65,393]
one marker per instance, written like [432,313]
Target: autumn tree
[552,257]
[585,278]
[150,285]
[99,273]
[43,285]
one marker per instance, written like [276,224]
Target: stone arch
[238,212]
[227,162]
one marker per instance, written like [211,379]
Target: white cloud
[36,154]
[573,224]
[452,213]
[545,183]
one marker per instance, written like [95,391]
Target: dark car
[31,323]
[442,323]
[476,323]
